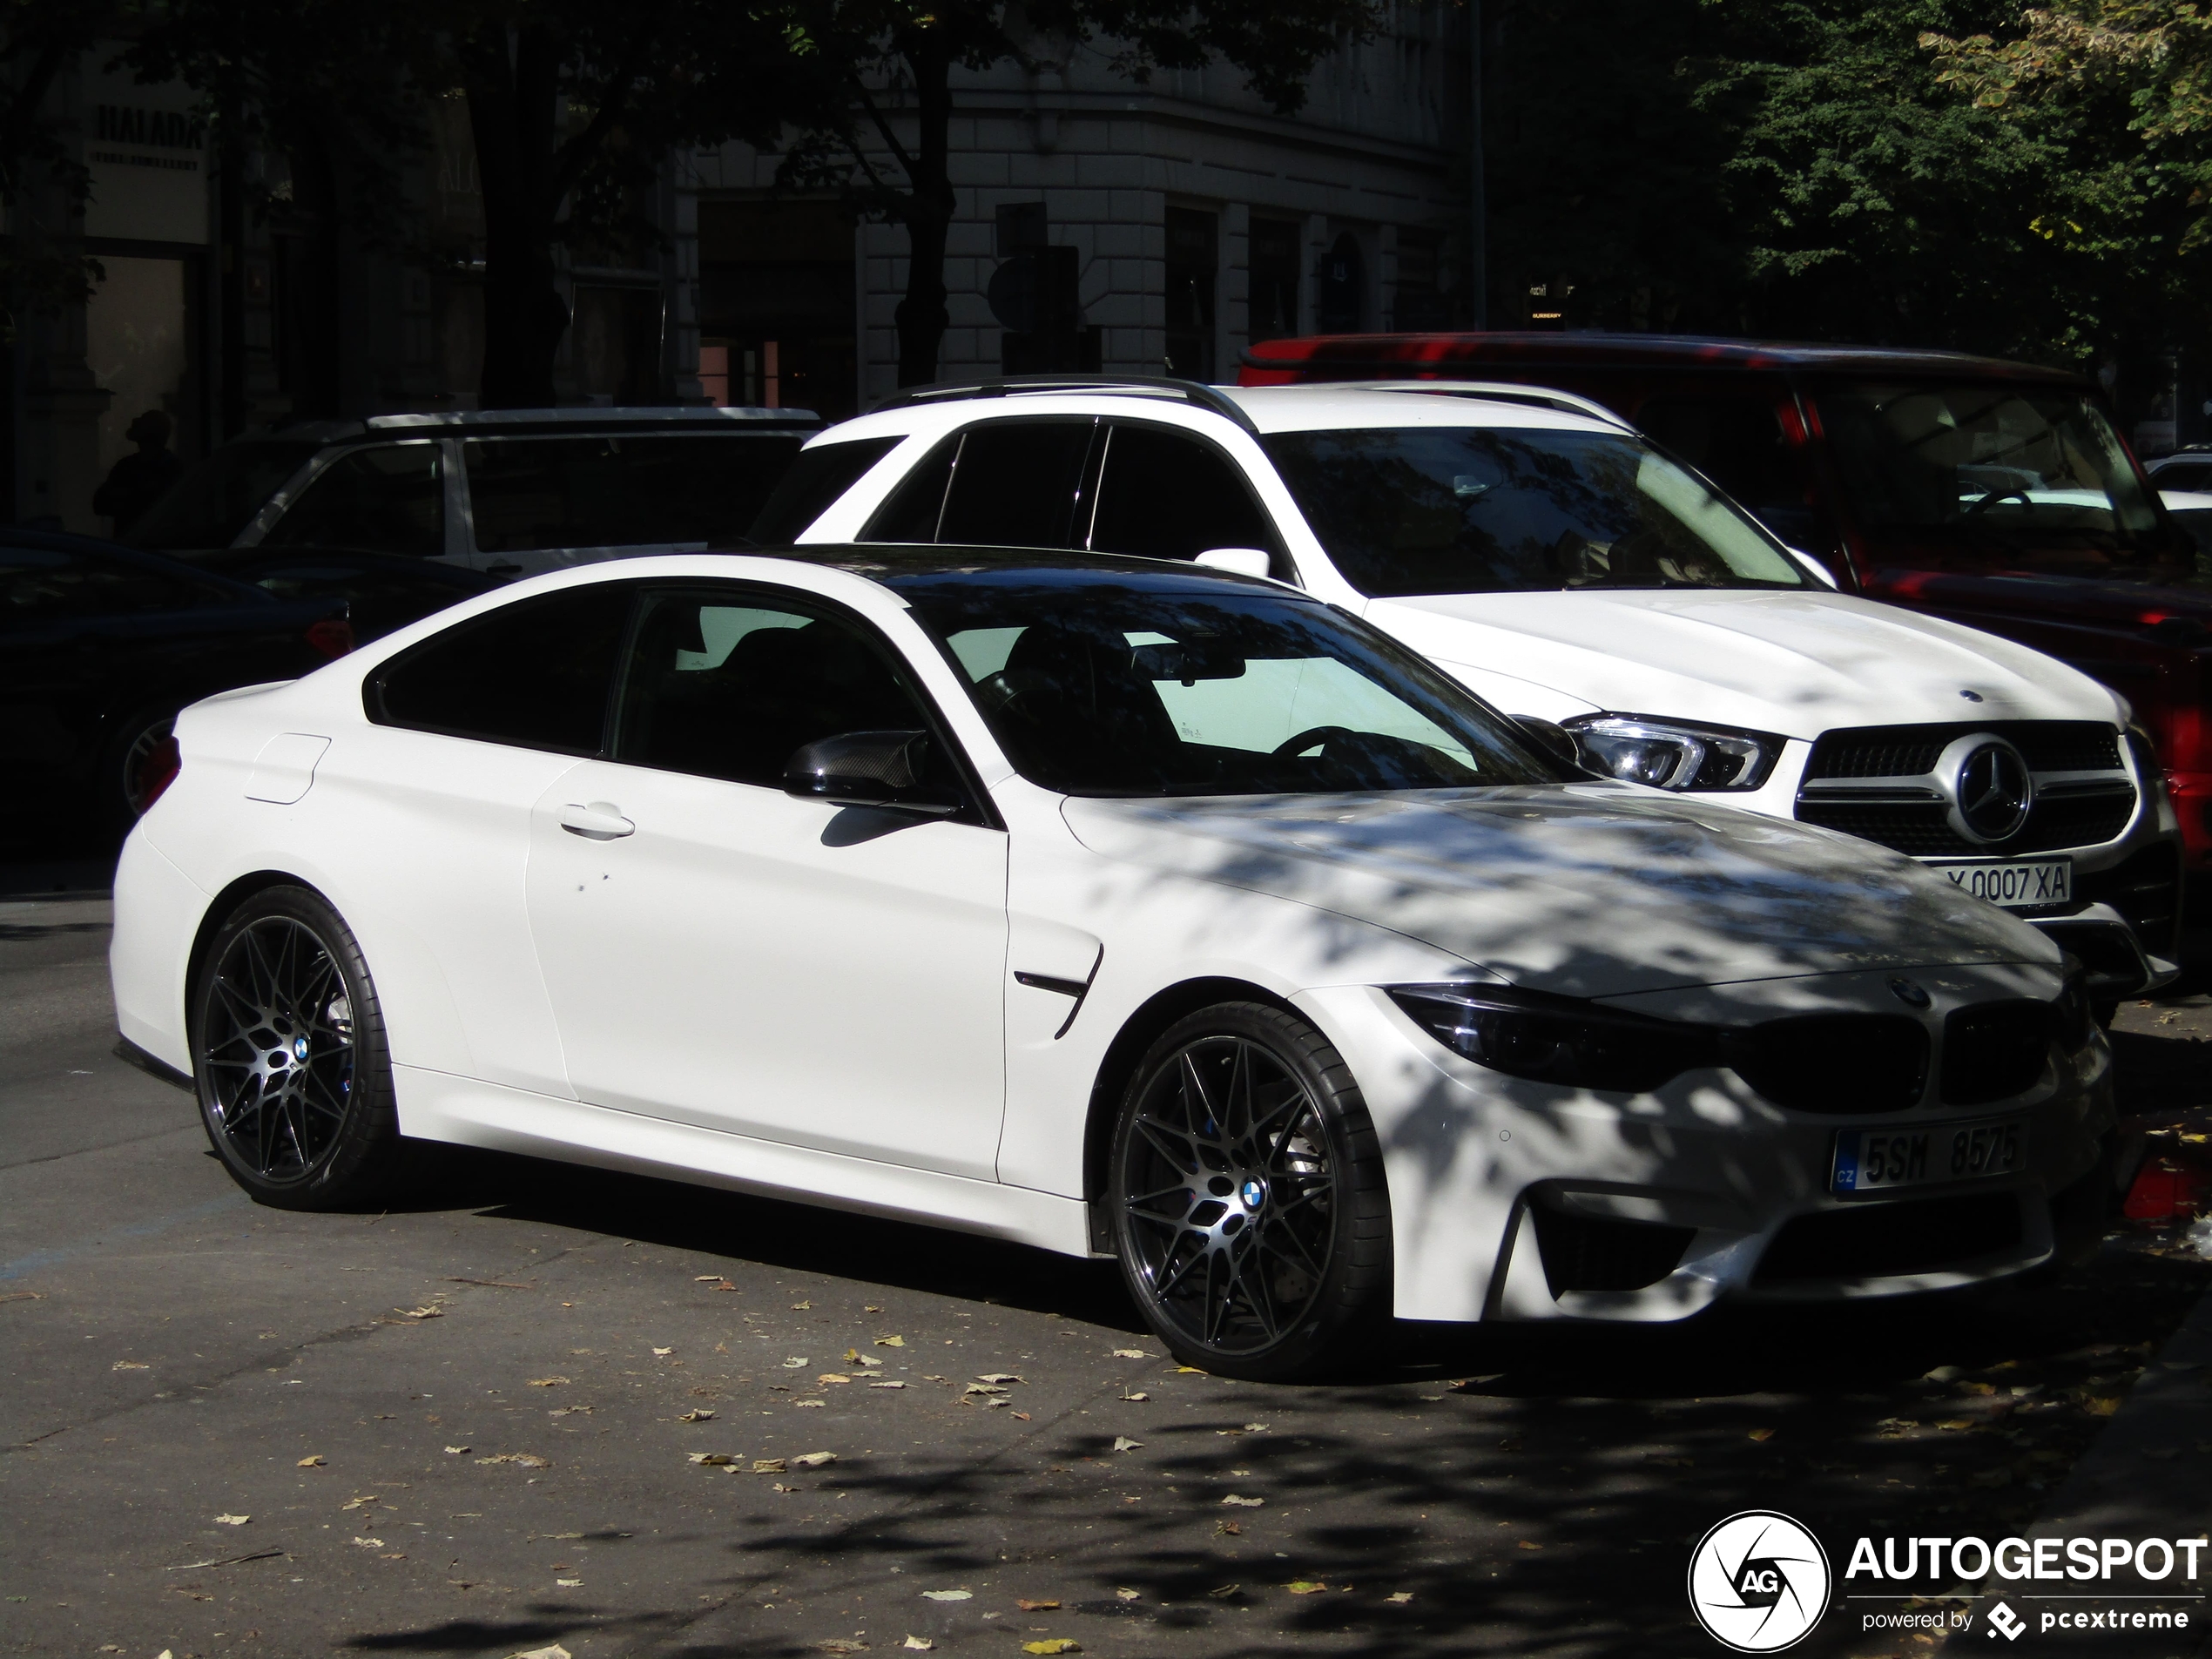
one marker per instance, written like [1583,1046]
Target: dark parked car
[1995,494]
[509,492]
[381,591]
[101,645]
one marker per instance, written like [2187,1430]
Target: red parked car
[1995,494]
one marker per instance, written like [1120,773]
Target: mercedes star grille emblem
[1992,792]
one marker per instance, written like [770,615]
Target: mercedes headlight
[1668,754]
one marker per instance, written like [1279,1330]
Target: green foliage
[1881,172]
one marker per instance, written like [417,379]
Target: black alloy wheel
[288,1056]
[1248,1199]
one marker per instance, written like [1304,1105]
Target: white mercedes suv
[1552,559]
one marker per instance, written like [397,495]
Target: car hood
[1794,663]
[1590,890]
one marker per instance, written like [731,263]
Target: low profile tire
[1246,1184]
[289,1059]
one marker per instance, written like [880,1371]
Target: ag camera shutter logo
[1759,1581]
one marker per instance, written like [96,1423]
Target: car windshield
[218,498]
[1100,688]
[1432,510]
[1990,462]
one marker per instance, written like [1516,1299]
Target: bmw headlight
[1555,1039]
[1667,754]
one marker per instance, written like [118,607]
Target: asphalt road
[475,1427]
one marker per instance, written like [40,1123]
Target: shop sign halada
[146,150]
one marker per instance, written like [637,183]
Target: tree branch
[883,126]
[576,154]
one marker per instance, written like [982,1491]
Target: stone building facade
[1190,218]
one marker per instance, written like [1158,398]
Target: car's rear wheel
[1248,1199]
[289,1056]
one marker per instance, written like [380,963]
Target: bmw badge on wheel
[1759,1581]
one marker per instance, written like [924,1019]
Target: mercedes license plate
[2017,884]
[1877,1160]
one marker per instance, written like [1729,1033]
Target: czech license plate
[1876,1160]
[2017,884]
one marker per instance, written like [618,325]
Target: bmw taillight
[159,769]
[333,636]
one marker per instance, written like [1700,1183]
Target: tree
[38,41]
[573,105]
[918,44]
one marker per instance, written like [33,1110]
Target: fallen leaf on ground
[891,1342]
[1955,1423]
[2097,1408]
[1762,1433]
[997,1376]
[1023,1416]
[803,1404]
[1188,1370]
[1228,1526]
[833,1377]
[527,1460]
[1052,1644]
[768,1466]
[366,1498]
[310,1462]
[1038,1607]
[567,1583]
[1401,1597]
[1244,1503]
[800,1307]
[130,1364]
[948,1595]
[553,1651]
[1131,1353]
[707,1278]
[886,1385]
[695,1415]
[983,1388]
[459,1451]
[855,1357]
[920,1644]
[1137,1399]
[814,1460]
[370,1543]
[1305,1587]
[231,1521]
[1127,1595]
[571,1411]
[1526,1544]
[712,1460]
[1122,1443]
[663,1353]
[547,1382]
[797,1363]
[1222,1593]
[427,1312]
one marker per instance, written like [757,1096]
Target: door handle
[600,821]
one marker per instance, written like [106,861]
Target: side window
[1738,443]
[386,499]
[615,491]
[724,683]
[535,674]
[1015,483]
[911,512]
[817,478]
[1164,495]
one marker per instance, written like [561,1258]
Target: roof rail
[1206,397]
[1491,391]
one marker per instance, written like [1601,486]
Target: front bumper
[1517,1200]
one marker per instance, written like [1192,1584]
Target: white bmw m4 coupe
[1109,906]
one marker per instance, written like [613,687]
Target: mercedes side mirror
[1240,561]
[1552,738]
[880,769]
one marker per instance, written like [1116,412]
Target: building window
[777,306]
[1421,302]
[1340,298]
[1274,278]
[1193,259]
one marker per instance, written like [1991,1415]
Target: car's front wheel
[289,1056]
[1247,1195]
